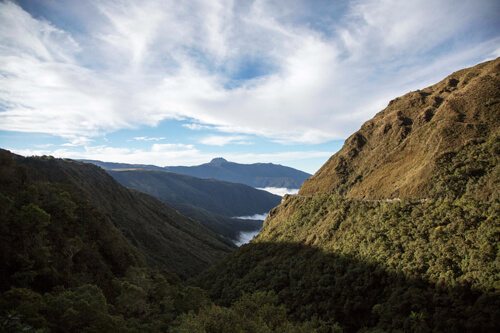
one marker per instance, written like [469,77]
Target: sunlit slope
[397,153]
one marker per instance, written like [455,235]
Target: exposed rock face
[394,154]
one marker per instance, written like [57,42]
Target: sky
[181,82]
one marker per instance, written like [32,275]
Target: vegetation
[223,198]
[65,198]
[65,267]
[373,264]
[228,227]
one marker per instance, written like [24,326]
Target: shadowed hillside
[66,265]
[258,175]
[163,236]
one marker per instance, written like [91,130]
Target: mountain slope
[162,236]
[256,175]
[343,251]
[65,266]
[396,153]
[228,227]
[224,198]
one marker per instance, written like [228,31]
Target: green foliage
[371,264]
[257,312]
[65,267]
[473,171]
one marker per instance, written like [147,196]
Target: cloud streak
[241,68]
[220,140]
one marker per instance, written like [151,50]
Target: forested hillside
[400,230]
[224,198]
[162,236]
[80,253]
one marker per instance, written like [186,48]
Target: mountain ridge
[220,197]
[259,175]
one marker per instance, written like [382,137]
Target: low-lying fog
[247,236]
[281,191]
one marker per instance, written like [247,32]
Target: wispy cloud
[145,138]
[242,68]
[77,141]
[220,140]
[197,127]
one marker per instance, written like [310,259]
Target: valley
[398,231]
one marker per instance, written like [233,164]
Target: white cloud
[145,138]
[169,147]
[143,63]
[77,141]
[196,127]
[220,140]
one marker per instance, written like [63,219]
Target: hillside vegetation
[224,198]
[399,231]
[70,264]
[162,236]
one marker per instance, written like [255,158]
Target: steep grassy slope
[163,236]
[224,198]
[342,251]
[397,152]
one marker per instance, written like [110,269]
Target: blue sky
[181,82]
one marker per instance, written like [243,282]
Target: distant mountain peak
[218,160]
